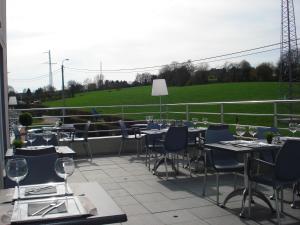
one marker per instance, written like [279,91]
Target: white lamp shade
[12,100]
[159,87]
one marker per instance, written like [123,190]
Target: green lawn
[187,94]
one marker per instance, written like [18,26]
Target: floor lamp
[159,88]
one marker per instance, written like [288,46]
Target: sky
[132,34]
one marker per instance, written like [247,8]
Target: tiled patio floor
[149,200]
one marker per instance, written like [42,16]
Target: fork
[45,207]
[53,207]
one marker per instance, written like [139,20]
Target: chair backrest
[35,152]
[152,125]
[216,133]
[16,131]
[188,123]
[41,169]
[124,132]
[176,138]
[86,130]
[41,141]
[261,131]
[288,161]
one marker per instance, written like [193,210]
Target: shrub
[25,119]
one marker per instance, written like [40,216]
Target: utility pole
[63,88]
[50,68]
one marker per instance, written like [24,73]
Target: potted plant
[17,143]
[25,119]
[269,136]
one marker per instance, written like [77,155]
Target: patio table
[65,151]
[107,210]
[247,148]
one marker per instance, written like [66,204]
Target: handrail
[120,110]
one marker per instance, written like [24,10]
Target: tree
[200,76]
[144,78]
[245,68]
[265,71]
[74,87]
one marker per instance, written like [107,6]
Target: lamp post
[63,87]
[159,88]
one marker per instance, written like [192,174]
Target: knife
[53,207]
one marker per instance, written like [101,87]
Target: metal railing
[131,113]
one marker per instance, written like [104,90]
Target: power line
[159,66]
[38,77]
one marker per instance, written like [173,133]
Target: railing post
[63,114]
[222,113]
[122,109]
[187,112]
[275,114]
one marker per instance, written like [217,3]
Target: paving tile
[230,219]
[145,219]
[118,193]
[177,216]
[135,209]
[111,186]
[209,212]
[125,200]
[152,197]
[137,187]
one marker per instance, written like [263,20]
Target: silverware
[45,207]
[53,207]
[37,189]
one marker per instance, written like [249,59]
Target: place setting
[41,202]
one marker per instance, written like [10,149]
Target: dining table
[97,205]
[247,149]
[63,151]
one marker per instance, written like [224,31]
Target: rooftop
[153,200]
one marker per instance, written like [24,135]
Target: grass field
[187,94]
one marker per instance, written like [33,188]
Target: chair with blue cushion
[95,114]
[16,132]
[279,175]
[220,161]
[175,141]
[137,137]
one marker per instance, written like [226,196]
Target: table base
[245,193]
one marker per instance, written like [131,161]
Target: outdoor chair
[95,115]
[152,125]
[81,136]
[220,161]
[269,155]
[153,145]
[175,141]
[41,169]
[279,175]
[137,137]
[16,131]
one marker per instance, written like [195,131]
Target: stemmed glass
[240,130]
[47,135]
[195,122]
[205,121]
[64,167]
[31,137]
[252,131]
[16,170]
[293,127]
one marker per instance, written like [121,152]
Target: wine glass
[64,167]
[240,130]
[205,121]
[293,127]
[16,170]
[31,137]
[252,131]
[47,135]
[195,122]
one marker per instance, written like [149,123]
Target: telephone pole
[50,68]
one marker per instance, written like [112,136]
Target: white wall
[3,89]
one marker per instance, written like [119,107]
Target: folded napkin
[88,205]
[40,190]
[34,207]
